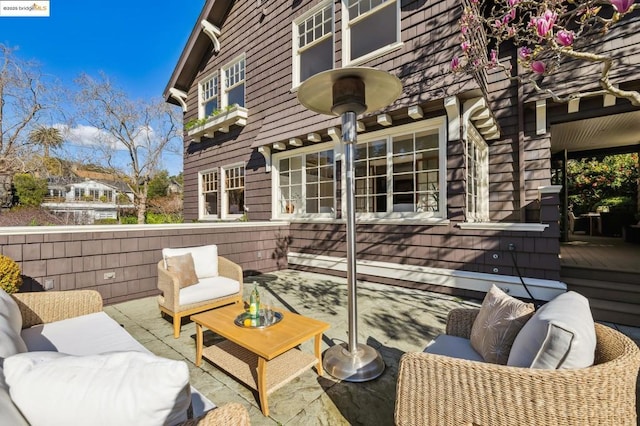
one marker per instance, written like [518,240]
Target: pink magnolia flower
[493,57]
[524,53]
[538,67]
[544,24]
[455,63]
[565,38]
[622,6]
[465,46]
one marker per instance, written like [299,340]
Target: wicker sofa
[440,390]
[44,316]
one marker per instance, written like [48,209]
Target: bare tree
[21,94]
[139,130]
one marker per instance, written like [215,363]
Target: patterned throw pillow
[184,268]
[500,319]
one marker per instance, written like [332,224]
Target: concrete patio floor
[393,320]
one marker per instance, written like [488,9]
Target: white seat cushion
[208,289]
[453,346]
[561,335]
[9,413]
[205,258]
[10,324]
[118,388]
[84,335]
[93,334]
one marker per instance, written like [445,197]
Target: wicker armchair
[169,300]
[440,390]
[46,307]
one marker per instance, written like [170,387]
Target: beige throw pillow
[184,268]
[498,323]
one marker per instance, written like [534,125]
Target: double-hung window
[208,95]
[306,184]
[370,28]
[401,174]
[477,166]
[233,78]
[208,194]
[313,43]
[233,191]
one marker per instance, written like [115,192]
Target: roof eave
[196,47]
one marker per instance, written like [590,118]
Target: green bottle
[254,302]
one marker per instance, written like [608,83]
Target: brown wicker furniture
[263,359]
[440,390]
[48,307]
[169,300]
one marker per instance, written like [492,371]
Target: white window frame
[203,215]
[224,202]
[296,37]
[201,92]
[347,22]
[437,123]
[275,179]
[476,163]
[224,89]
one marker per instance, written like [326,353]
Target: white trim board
[477,281]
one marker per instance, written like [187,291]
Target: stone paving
[393,320]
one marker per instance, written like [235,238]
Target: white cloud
[87,136]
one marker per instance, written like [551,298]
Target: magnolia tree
[545,34]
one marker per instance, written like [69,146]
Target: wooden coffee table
[264,359]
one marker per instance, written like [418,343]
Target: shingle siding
[519,160]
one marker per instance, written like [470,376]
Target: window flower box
[234,116]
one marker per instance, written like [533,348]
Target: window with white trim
[208,194]
[401,174]
[370,28]
[233,77]
[477,171]
[233,191]
[208,96]
[313,43]
[306,184]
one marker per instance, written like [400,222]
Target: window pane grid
[477,178]
[360,7]
[234,190]
[234,74]
[371,177]
[209,88]
[307,183]
[234,178]
[210,182]
[315,27]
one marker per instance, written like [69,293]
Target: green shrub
[108,221]
[156,218]
[617,204]
[29,189]
[10,277]
[128,220]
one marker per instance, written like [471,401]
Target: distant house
[85,201]
[450,179]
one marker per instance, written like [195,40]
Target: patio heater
[348,92]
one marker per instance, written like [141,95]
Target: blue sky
[137,43]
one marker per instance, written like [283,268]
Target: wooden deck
[600,253]
[607,272]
